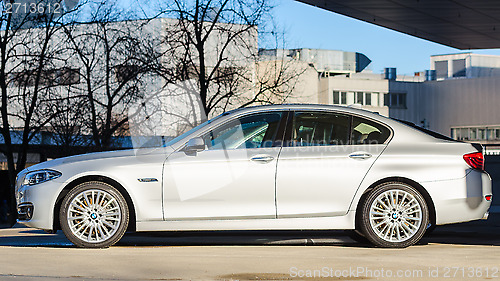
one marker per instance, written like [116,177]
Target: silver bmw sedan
[300,167]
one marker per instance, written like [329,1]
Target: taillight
[475,160]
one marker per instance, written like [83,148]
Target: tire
[394,215]
[430,229]
[94,225]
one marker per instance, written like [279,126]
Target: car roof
[404,130]
[301,106]
[304,106]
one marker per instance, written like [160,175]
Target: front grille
[25,211]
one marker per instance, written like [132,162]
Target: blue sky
[310,27]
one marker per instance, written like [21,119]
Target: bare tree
[275,79]
[29,62]
[210,40]
[117,58]
[212,46]
[68,127]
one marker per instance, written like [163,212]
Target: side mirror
[195,145]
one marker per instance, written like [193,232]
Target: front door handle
[262,158]
[360,155]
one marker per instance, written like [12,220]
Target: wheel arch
[414,184]
[108,180]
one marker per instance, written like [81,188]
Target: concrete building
[157,106]
[465,65]
[326,62]
[462,102]
[457,97]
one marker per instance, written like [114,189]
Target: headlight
[40,176]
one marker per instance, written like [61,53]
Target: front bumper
[25,211]
[35,204]
[461,200]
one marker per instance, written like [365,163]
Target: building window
[368,98]
[395,100]
[490,134]
[473,134]
[441,69]
[126,72]
[68,76]
[22,79]
[343,97]
[50,77]
[464,134]
[459,68]
[359,97]
[336,97]
[339,97]
[481,134]
[476,133]
[226,74]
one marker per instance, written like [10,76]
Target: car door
[233,178]
[323,162]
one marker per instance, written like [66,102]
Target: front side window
[368,132]
[319,129]
[251,131]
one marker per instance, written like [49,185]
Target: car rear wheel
[430,229]
[94,215]
[394,215]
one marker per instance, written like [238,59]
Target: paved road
[467,251]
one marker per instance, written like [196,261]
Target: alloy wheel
[395,215]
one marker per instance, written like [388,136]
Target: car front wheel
[394,215]
[94,215]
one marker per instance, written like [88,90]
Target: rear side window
[368,132]
[320,129]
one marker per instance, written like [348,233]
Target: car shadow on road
[29,237]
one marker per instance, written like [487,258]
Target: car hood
[102,156]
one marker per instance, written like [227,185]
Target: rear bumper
[462,199]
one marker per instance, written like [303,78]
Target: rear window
[368,132]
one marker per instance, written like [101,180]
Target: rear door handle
[360,155]
[262,158]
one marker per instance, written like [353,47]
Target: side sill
[317,223]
